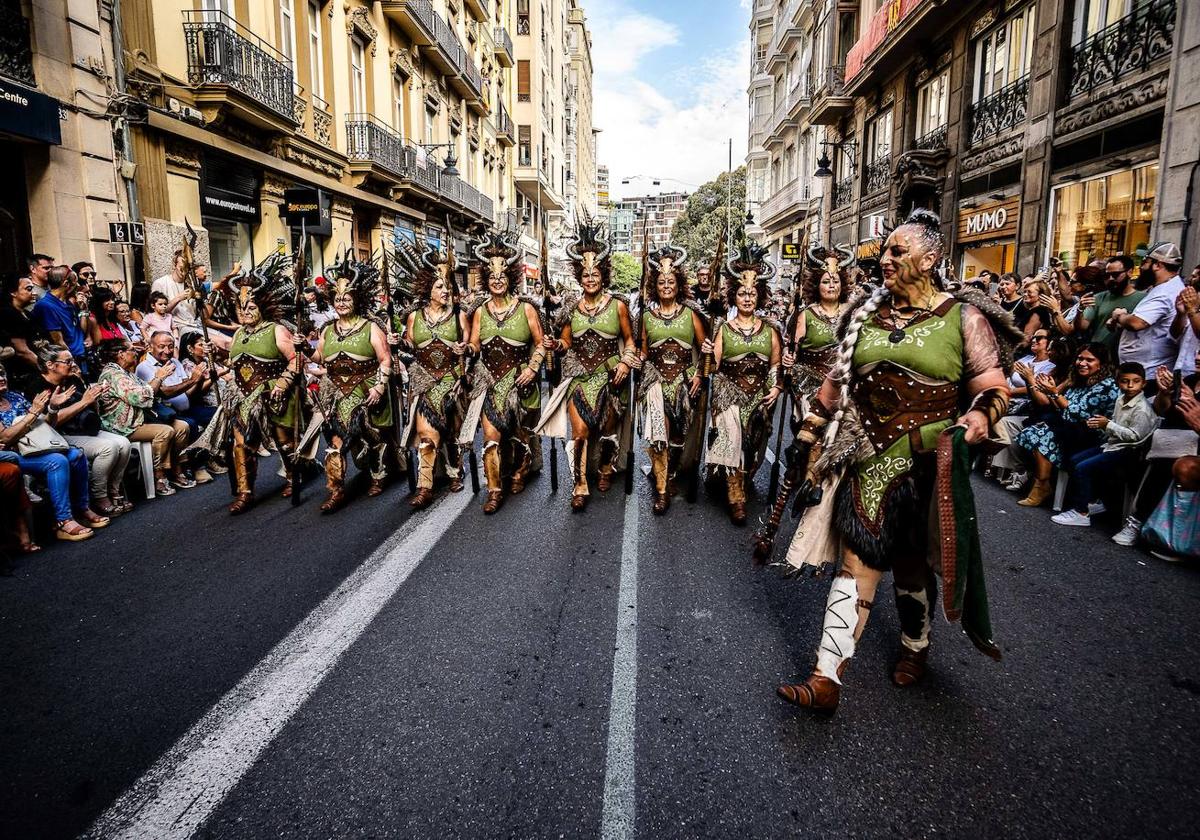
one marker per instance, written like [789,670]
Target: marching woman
[436,330]
[826,292]
[506,335]
[353,393]
[747,351]
[672,332]
[589,405]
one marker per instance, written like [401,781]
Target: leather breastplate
[346,372]
[594,349]
[748,372]
[499,357]
[436,358]
[671,359]
[891,404]
[250,372]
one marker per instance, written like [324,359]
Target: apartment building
[581,134]
[654,217]
[398,112]
[1036,128]
[621,219]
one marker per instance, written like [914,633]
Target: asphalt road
[478,700]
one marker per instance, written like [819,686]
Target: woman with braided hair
[747,351]
[506,334]
[597,341]
[353,393]
[671,335]
[437,333]
[919,375]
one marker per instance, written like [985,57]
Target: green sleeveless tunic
[594,330]
[347,395]
[257,362]
[432,390]
[513,331]
[818,333]
[675,335]
[741,353]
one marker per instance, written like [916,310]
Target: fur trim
[900,518]
[1008,335]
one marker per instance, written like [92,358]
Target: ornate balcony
[504,47]
[1126,47]
[843,191]
[234,71]
[479,9]
[999,112]
[374,149]
[829,100]
[878,173]
[932,140]
[322,122]
[446,52]
[469,83]
[415,17]
[420,171]
[505,134]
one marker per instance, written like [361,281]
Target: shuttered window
[523,83]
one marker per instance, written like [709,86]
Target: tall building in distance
[655,216]
[621,218]
[602,195]
[581,139]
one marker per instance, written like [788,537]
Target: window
[1093,15]
[398,107]
[430,122]
[789,164]
[287,31]
[1003,55]
[524,145]
[316,57]
[879,138]
[931,104]
[523,81]
[1102,216]
[222,6]
[358,77]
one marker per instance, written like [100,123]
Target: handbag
[41,439]
[1175,524]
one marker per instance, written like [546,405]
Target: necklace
[435,320]
[501,316]
[825,314]
[898,323]
[669,317]
[591,311]
[347,331]
[746,331]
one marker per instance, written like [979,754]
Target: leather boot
[1038,494]
[579,464]
[821,694]
[737,497]
[426,457]
[241,503]
[658,471]
[522,471]
[910,667]
[674,456]
[335,482]
[491,472]
[243,478]
[606,468]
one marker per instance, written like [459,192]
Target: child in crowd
[1132,423]
[158,319]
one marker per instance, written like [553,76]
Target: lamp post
[825,165]
[450,169]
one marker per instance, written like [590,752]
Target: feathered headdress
[590,249]
[269,286]
[749,267]
[359,280]
[413,273]
[670,259]
[499,254]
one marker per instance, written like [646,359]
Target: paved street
[475,697]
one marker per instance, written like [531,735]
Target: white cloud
[645,130]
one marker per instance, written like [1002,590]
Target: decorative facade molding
[340,206]
[1113,104]
[358,22]
[273,187]
[1008,148]
[983,22]
[401,62]
[182,155]
[313,162]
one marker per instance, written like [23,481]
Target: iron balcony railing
[879,172]
[220,51]
[843,191]
[423,14]
[1128,46]
[470,74]
[369,139]
[932,140]
[504,41]
[420,168]
[1002,110]
[504,123]
[832,81]
[448,42]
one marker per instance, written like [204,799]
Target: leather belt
[671,359]
[499,357]
[250,372]
[891,404]
[748,372]
[594,349]
[436,358]
[347,373]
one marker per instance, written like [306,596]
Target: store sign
[26,113]
[310,206]
[790,251]
[868,250]
[997,220]
[228,190]
[126,233]
[884,22]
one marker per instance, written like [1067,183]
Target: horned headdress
[668,260]
[590,249]
[500,256]
[268,286]
[749,267]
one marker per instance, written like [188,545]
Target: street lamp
[749,210]
[451,162]
[824,164]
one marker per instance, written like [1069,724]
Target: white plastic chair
[146,466]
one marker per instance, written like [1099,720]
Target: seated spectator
[130,329]
[1132,423]
[1089,392]
[1026,409]
[158,319]
[178,390]
[14,505]
[65,473]
[1186,327]
[1031,314]
[78,420]
[123,407]
[56,315]
[101,319]
[1146,331]
[193,357]
[18,330]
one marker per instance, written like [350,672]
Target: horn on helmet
[681,255]
[849,260]
[767,271]
[814,256]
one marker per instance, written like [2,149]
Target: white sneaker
[1129,534]
[1071,517]
[1017,482]
[1097,508]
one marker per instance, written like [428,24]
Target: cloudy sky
[669,89]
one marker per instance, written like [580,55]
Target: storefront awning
[29,115]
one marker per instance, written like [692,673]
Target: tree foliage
[626,272]
[699,226]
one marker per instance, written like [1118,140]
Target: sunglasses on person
[1038,337]
[87,274]
[1116,273]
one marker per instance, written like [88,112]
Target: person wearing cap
[1146,331]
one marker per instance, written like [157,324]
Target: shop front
[1103,216]
[28,120]
[229,211]
[987,236]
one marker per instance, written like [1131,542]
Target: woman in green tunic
[747,351]
[671,335]
[353,394]
[437,331]
[914,362]
[826,291]
[506,335]
[596,338]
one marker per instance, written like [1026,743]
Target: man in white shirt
[180,302]
[177,386]
[1146,331]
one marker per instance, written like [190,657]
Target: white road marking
[618,815]
[770,455]
[185,786]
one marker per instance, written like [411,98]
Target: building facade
[1036,128]
[581,134]
[654,218]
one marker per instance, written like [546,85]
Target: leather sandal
[74,533]
[495,498]
[910,667]
[421,499]
[241,503]
[95,521]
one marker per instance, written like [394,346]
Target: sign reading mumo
[987,221]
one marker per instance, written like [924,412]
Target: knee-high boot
[244,463]
[658,469]
[915,607]
[579,457]
[737,496]
[335,481]
[605,468]
[491,473]
[426,460]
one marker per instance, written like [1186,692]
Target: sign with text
[26,113]
[790,251]
[126,233]
[311,206]
[994,220]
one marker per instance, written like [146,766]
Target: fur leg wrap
[491,465]
[335,470]
[837,634]
[658,467]
[916,617]
[427,456]
[737,486]
[578,452]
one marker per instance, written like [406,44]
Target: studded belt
[891,403]
[436,358]
[670,359]
[499,357]
[594,349]
[748,372]
[347,372]
[250,372]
